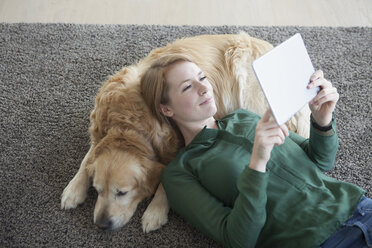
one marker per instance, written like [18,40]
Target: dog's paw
[73,195]
[154,218]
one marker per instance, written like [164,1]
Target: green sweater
[292,204]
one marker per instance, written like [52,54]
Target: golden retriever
[129,147]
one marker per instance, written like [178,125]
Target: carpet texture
[49,76]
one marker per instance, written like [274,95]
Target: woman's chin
[213,109]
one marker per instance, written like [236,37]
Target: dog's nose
[106,224]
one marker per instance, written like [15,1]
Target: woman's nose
[202,89]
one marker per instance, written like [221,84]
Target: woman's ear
[166,111]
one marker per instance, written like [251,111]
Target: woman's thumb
[267,115]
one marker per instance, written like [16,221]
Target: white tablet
[284,74]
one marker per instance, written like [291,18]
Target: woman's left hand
[324,103]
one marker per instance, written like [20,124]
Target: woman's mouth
[208,100]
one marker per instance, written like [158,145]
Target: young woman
[246,182]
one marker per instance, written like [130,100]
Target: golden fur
[129,147]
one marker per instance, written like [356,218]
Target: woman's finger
[275,132]
[285,130]
[268,125]
[321,82]
[269,141]
[316,75]
[323,95]
[332,97]
[276,140]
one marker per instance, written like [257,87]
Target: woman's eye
[186,88]
[121,193]
[203,78]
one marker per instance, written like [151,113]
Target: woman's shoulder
[240,122]
[178,168]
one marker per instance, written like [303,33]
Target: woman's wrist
[324,125]
[257,165]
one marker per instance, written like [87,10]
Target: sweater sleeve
[238,226]
[321,147]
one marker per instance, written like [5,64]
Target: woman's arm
[239,226]
[322,145]
[267,134]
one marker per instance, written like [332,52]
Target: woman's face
[189,92]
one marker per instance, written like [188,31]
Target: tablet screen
[284,73]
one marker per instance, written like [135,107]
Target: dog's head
[122,178]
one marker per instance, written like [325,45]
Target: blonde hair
[154,88]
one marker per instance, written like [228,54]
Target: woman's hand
[268,134]
[324,103]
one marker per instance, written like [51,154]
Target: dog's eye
[121,193]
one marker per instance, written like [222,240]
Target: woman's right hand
[268,134]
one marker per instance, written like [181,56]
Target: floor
[191,12]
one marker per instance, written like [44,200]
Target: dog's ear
[96,152]
[153,175]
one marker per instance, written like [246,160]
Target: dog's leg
[156,213]
[76,191]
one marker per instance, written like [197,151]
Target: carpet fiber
[49,76]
